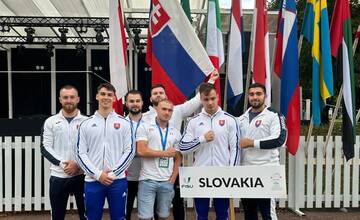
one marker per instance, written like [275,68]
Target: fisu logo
[187,184]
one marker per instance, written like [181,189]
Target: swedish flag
[316,30]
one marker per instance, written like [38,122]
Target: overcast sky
[245,3]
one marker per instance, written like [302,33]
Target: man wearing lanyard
[157,146]
[104,152]
[134,105]
[181,112]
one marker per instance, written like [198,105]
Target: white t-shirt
[155,168]
[135,166]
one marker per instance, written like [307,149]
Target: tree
[306,63]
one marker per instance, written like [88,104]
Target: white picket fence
[316,177]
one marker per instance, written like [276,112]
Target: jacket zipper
[104,148]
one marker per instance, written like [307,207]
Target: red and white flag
[118,55]
[214,40]
[260,47]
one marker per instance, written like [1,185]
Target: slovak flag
[174,52]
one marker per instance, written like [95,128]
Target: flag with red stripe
[287,68]
[117,53]
[235,64]
[341,48]
[174,51]
[260,47]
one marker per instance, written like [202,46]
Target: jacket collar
[261,113]
[211,116]
[63,117]
[111,114]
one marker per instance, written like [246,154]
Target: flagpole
[311,126]
[356,41]
[338,102]
[127,28]
[248,75]
[227,69]
[231,200]
[276,83]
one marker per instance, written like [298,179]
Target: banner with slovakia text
[233,182]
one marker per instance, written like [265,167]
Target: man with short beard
[58,146]
[263,132]
[134,103]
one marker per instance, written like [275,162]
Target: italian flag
[214,40]
[341,48]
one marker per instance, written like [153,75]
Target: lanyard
[163,140]
[137,126]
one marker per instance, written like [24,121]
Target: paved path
[283,214]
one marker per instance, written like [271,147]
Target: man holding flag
[341,48]
[179,64]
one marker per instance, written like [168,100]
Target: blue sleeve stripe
[46,153]
[185,146]
[128,159]
[276,142]
[124,164]
[237,158]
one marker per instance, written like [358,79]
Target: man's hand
[209,136]
[246,143]
[71,168]
[170,152]
[214,76]
[105,179]
[172,179]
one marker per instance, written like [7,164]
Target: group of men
[138,156]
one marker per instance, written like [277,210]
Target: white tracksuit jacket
[105,144]
[268,130]
[223,150]
[58,141]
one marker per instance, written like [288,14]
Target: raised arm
[189,107]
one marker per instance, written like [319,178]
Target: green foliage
[305,60]
[323,129]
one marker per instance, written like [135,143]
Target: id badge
[163,162]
